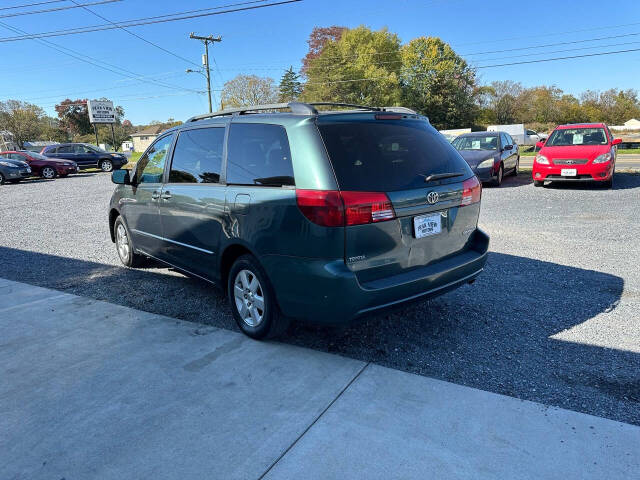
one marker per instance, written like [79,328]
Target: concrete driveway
[95,390]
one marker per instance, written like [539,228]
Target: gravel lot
[555,318]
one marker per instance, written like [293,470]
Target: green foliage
[27,122]
[438,83]
[290,86]
[362,67]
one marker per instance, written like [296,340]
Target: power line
[24,5]
[56,9]
[148,20]
[561,58]
[92,61]
[138,36]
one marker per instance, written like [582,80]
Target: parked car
[577,153]
[41,165]
[521,135]
[491,155]
[13,170]
[325,216]
[86,156]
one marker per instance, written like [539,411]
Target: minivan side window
[197,157]
[258,154]
[151,165]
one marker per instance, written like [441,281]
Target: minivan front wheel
[106,165]
[252,300]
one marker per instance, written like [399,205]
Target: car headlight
[487,163]
[604,158]
[7,164]
[542,160]
[67,164]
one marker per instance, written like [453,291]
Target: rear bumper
[328,292]
[16,174]
[599,172]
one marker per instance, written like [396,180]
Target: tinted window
[509,139]
[388,155]
[197,157]
[66,149]
[151,165]
[258,154]
[577,136]
[476,142]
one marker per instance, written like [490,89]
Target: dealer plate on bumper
[569,172]
[426,225]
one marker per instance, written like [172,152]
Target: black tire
[538,183]
[49,173]
[1,179]
[516,170]
[130,258]
[498,180]
[106,165]
[271,323]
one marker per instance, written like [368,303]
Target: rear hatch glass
[397,157]
[389,155]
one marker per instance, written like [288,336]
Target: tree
[74,117]
[245,90]
[438,82]
[361,67]
[290,87]
[22,119]
[317,40]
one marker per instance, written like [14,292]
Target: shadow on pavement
[494,335]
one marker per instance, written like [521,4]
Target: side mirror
[539,145]
[616,141]
[120,177]
[508,147]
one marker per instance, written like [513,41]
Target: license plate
[569,172]
[426,225]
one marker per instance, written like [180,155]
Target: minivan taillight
[332,208]
[323,207]
[471,191]
[366,207]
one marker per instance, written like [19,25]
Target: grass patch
[135,156]
[629,151]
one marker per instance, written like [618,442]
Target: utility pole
[205,59]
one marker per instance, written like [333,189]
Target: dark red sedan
[43,166]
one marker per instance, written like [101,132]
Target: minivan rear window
[389,155]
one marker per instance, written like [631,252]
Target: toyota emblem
[432,197]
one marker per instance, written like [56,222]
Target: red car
[583,152]
[44,166]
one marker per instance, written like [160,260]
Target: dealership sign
[101,111]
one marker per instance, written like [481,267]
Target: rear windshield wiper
[441,176]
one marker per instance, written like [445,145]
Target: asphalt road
[555,317]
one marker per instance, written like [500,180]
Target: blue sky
[266,41]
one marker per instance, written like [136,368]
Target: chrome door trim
[140,232]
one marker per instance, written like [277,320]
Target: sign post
[102,111]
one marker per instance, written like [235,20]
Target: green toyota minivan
[322,212]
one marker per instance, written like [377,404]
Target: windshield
[476,142]
[389,155]
[567,137]
[37,156]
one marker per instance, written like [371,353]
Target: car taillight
[366,207]
[323,207]
[471,191]
[331,208]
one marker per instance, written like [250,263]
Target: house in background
[632,124]
[142,139]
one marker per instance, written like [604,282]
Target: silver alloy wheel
[249,297]
[122,242]
[48,172]
[106,165]
[500,173]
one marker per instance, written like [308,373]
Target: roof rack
[297,108]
